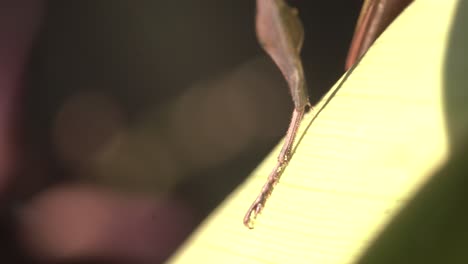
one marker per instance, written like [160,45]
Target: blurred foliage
[164,96]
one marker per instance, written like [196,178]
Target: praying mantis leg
[281,34]
[375,17]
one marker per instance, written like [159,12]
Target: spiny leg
[280,32]
[275,175]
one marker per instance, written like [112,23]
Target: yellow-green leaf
[394,123]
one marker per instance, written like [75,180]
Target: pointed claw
[249,219]
[252,214]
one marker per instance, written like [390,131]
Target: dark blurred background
[170,99]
